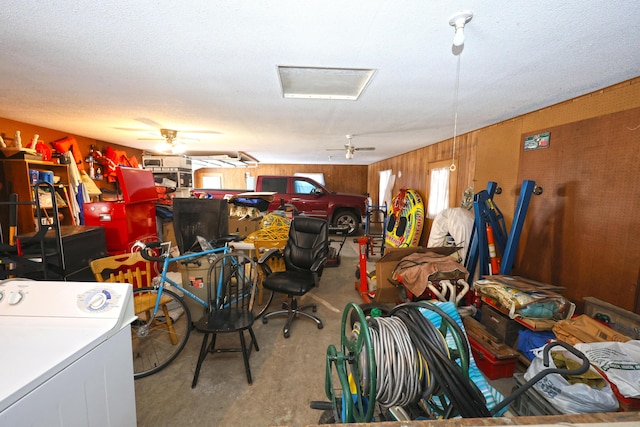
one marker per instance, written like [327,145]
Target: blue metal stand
[486,212]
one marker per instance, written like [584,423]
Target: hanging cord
[455,115]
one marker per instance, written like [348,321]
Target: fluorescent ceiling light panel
[323,83]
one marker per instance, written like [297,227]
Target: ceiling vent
[324,83]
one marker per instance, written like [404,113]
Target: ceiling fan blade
[151,139]
[209,132]
[133,129]
[186,138]
[335,149]
[365,148]
[149,122]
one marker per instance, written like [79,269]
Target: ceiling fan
[172,143]
[350,148]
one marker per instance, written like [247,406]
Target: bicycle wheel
[263,299]
[156,341]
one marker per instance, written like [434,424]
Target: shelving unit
[17,179]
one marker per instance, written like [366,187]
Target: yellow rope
[272,227]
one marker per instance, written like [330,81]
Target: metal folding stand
[486,212]
[375,227]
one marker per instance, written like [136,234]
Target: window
[212,180]
[442,187]
[277,185]
[303,187]
[438,191]
[386,186]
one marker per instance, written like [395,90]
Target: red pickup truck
[308,197]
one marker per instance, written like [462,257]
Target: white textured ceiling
[95,68]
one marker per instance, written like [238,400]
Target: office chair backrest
[308,240]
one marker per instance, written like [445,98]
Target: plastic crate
[492,367]
[530,403]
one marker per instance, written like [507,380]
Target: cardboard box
[386,288]
[243,226]
[194,279]
[617,318]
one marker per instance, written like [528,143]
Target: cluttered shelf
[21,177]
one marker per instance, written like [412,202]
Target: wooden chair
[132,268]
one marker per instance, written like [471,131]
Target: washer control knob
[15,297]
[97,301]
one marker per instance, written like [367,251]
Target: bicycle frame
[165,266]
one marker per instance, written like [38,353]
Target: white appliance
[65,354]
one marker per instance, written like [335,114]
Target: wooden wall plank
[582,232]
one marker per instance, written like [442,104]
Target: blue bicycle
[163,323]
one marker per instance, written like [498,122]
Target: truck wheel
[350,219]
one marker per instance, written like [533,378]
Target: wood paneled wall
[553,246]
[583,231]
[415,174]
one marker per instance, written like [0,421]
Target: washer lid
[36,350]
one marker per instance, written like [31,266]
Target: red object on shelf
[492,367]
[130,219]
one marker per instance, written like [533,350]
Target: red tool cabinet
[130,219]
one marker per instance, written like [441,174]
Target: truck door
[309,198]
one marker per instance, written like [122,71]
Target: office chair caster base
[293,312]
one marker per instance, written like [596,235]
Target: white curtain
[387,180]
[438,192]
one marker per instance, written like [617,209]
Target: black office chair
[304,256]
[231,286]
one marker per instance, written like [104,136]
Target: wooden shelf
[17,179]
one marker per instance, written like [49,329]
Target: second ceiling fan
[350,148]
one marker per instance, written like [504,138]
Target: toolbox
[131,218]
[490,364]
[504,328]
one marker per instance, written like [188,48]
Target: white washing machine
[65,354]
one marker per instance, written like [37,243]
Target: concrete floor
[287,373]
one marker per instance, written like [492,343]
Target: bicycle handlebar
[147,254]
